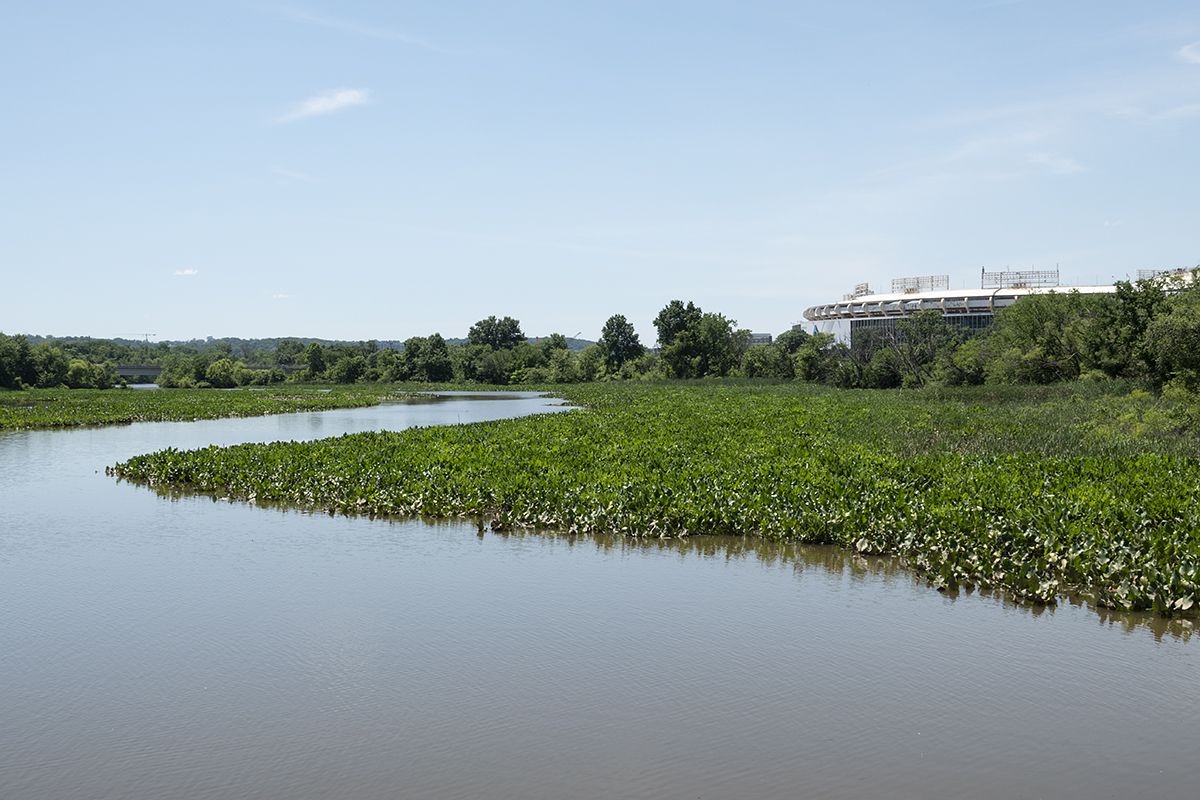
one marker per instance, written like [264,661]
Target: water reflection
[855,567]
[799,557]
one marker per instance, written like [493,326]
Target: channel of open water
[159,647]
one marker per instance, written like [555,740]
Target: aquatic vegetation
[970,489]
[62,408]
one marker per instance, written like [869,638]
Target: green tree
[526,356]
[919,341]
[1118,343]
[176,371]
[435,364]
[464,359]
[619,342]
[199,363]
[965,365]
[818,359]
[500,334]
[348,369]
[288,352]
[775,359]
[674,319]
[564,367]
[52,366]
[404,368]
[526,364]
[493,367]
[555,341]
[425,359]
[222,374]
[16,362]
[314,357]
[791,340]
[86,375]
[647,366]
[591,361]
[867,363]
[767,361]
[1172,341]
[709,348]
[1041,338]
[265,377]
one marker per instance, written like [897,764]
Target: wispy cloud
[187,272]
[992,143]
[1191,53]
[361,30]
[329,102]
[1180,112]
[1060,165]
[287,173]
[282,296]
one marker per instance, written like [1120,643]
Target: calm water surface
[183,648]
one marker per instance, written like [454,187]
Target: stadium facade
[970,308]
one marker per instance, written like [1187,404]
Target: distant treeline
[24,365]
[1147,332]
[253,352]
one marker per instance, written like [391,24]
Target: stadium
[970,308]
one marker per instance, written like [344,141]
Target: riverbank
[1039,496]
[37,409]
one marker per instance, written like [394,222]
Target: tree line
[25,365]
[1146,331]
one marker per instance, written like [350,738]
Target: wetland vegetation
[63,408]
[1038,493]
[1055,453]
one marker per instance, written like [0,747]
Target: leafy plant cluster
[58,408]
[971,485]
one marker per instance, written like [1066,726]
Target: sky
[380,170]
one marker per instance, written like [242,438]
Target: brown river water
[176,647]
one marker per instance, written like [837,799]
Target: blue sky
[382,170]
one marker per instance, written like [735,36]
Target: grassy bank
[64,408]
[1042,493]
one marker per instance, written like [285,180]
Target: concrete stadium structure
[969,308]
